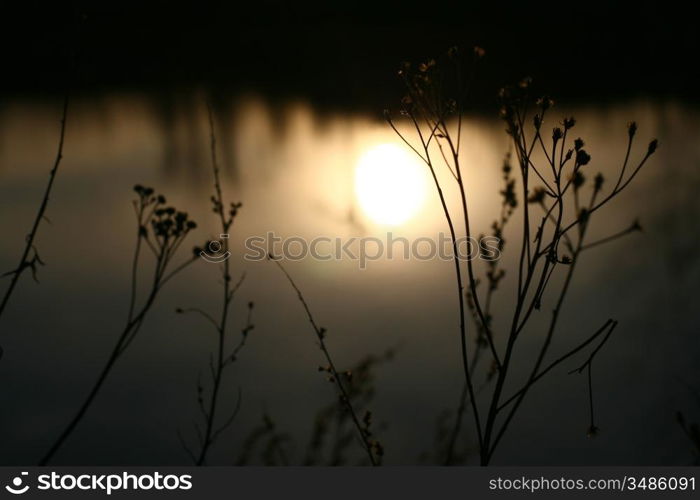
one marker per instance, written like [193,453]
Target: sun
[390,184]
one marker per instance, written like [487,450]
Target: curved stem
[24,261]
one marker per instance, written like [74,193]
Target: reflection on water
[294,170]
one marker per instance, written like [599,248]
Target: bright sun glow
[390,184]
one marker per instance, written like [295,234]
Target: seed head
[582,158]
[652,146]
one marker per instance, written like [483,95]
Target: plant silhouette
[434,107]
[223,358]
[161,229]
[30,259]
[343,381]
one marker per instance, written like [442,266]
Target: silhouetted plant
[494,275]
[334,434]
[691,429]
[334,431]
[447,449]
[30,259]
[161,229]
[272,443]
[223,358]
[434,106]
[342,381]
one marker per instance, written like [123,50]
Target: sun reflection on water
[390,184]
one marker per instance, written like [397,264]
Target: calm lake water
[294,170]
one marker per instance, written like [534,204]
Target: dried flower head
[537,195]
[652,147]
[577,179]
[582,157]
[598,181]
[544,103]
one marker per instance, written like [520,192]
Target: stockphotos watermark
[102,483]
[362,250]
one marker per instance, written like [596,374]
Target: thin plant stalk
[221,360]
[167,232]
[544,247]
[370,447]
[25,261]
